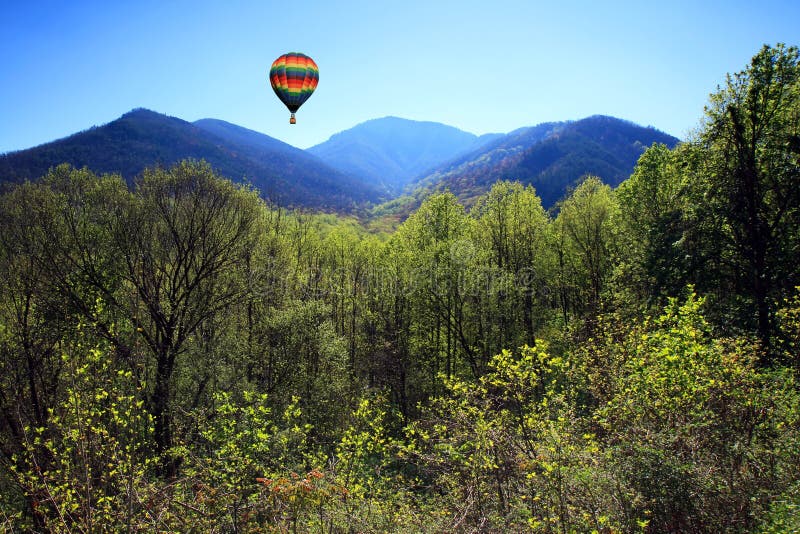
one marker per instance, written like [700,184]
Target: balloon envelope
[294,76]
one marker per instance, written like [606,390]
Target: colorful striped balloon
[294,77]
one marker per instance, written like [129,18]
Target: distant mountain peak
[391,151]
[139,112]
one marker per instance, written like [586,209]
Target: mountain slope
[552,157]
[491,153]
[142,138]
[391,151]
[317,179]
[242,136]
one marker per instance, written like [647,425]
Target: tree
[705,438]
[587,223]
[435,236]
[651,212]
[184,237]
[55,270]
[514,236]
[750,172]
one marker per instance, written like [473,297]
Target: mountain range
[370,163]
[552,157]
[141,138]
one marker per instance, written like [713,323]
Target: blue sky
[482,66]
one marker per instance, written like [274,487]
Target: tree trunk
[162,417]
[754,232]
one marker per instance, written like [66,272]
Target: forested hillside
[182,356]
[552,157]
[141,138]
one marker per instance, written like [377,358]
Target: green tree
[436,236]
[588,226]
[509,452]
[513,241]
[184,237]
[748,183]
[652,218]
[87,467]
[55,270]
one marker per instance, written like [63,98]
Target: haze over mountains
[367,164]
[390,152]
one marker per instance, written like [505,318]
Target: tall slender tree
[750,172]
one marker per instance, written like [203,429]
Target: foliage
[747,180]
[511,453]
[89,466]
[180,356]
[701,434]
[586,229]
[552,157]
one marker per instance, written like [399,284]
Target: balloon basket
[292,120]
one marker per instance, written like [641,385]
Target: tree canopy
[182,356]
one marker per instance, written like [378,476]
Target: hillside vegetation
[182,356]
[141,139]
[552,157]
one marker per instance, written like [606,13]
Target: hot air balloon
[294,77]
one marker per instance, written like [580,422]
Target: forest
[181,356]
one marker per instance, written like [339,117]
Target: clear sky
[482,66]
